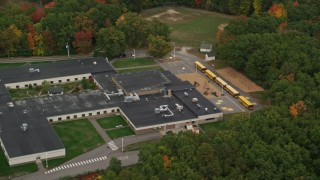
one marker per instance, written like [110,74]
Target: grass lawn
[138,146]
[190,27]
[111,122]
[219,125]
[8,65]
[78,137]
[121,132]
[218,64]
[140,69]
[130,62]
[5,169]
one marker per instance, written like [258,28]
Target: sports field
[189,27]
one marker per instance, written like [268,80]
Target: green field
[138,146]
[130,62]
[189,27]
[5,169]
[121,132]
[111,122]
[78,137]
[123,71]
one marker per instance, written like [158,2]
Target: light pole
[47,160]
[134,54]
[122,145]
[68,49]
[184,70]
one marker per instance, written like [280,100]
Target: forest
[274,42]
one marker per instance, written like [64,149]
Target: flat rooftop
[54,69]
[40,136]
[142,113]
[68,103]
[141,81]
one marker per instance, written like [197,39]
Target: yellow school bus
[201,67]
[232,91]
[246,103]
[210,74]
[221,82]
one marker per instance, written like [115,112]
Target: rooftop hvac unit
[32,70]
[10,104]
[128,99]
[24,127]
[206,109]
[179,107]
[185,94]
[135,97]
[157,110]
[194,100]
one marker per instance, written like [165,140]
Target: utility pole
[122,145]
[68,49]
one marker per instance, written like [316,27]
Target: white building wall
[33,157]
[57,80]
[82,114]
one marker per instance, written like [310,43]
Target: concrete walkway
[99,129]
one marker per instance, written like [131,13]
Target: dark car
[121,55]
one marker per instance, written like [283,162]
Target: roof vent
[157,110]
[10,104]
[32,70]
[24,127]
[194,100]
[206,109]
[185,94]
[95,62]
[179,107]
[199,106]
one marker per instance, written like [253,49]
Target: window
[60,81]
[51,82]
[118,110]
[75,116]
[59,119]
[68,117]
[112,110]
[76,79]
[90,114]
[50,120]
[83,115]
[83,77]
[68,80]
[26,85]
[98,112]
[17,87]
[105,112]
[34,84]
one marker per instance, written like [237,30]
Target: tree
[257,6]
[9,40]
[157,28]
[50,45]
[38,15]
[114,165]
[135,29]
[278,10]
[83,23]
[83,42]
[158,47]
[110,42]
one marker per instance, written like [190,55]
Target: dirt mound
[239,80]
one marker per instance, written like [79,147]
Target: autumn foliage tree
[166,161]
[278,10]
[298,108]
[83,42]
[37,15]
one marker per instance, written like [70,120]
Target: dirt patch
[222,26]
[239,80]
[169,15]
[205,88]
